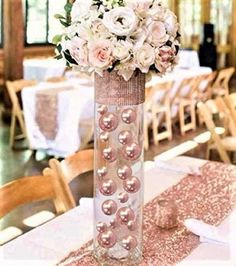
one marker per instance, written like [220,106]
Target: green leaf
[69,58]
[68,8]
[59,16]
[58,57]
[59,48]
[56,39]
[65,24]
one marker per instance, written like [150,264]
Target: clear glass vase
[118,175]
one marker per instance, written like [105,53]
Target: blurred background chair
[221,85]
[14,87]
[223,144]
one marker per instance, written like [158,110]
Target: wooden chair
[222,145]
[186,102]
[204,88]
[161,112]
[221,85]
[157,113]
[70,168]
[30,189]
[229,117]
[14,87]
[86,127]
[230,101]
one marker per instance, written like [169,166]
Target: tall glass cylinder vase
[118,175]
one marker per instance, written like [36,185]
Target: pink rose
[164,58]
[157,33]
[100,54]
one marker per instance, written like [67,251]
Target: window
[190,21]
[221,17]
[40,23]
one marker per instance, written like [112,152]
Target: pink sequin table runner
[46,111]
[209,197]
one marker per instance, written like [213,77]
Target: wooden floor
[23,162]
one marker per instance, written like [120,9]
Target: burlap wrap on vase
[113,89]
[118,168]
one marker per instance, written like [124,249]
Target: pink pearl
[107,239]
[125,137]
[124,215]
[108,122]
[123,197]
[132,184]
[113,223]
[101,227]
[102,109]
[108,187]
[104,137]
[129,242]
[132,225]
[101,172]
[109,154]
[128,116]
[124,172]
[132,151]
[109,207]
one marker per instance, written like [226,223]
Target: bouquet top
[121,35]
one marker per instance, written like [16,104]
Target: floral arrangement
[120,35]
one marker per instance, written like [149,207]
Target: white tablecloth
[188,59]
[42,69]
[73,106]
[51,242]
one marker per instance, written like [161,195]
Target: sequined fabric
[46,111]
[112,89]
[209,197]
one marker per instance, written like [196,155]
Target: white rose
[157,33]
[145,57]
[121,21]
[139,6]
[71,30]
[138,37]
[171,24]
[99,30]
[80,9]
[157,11]
[78,50]
[122,50]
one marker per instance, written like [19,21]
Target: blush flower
[157,33]
[100,54]
[164,58]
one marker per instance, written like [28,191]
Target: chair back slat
[221,85]
[207,117]
[70,168]
[25,190]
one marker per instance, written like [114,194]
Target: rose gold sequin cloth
[209,197]
[112,89]
[46,111]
